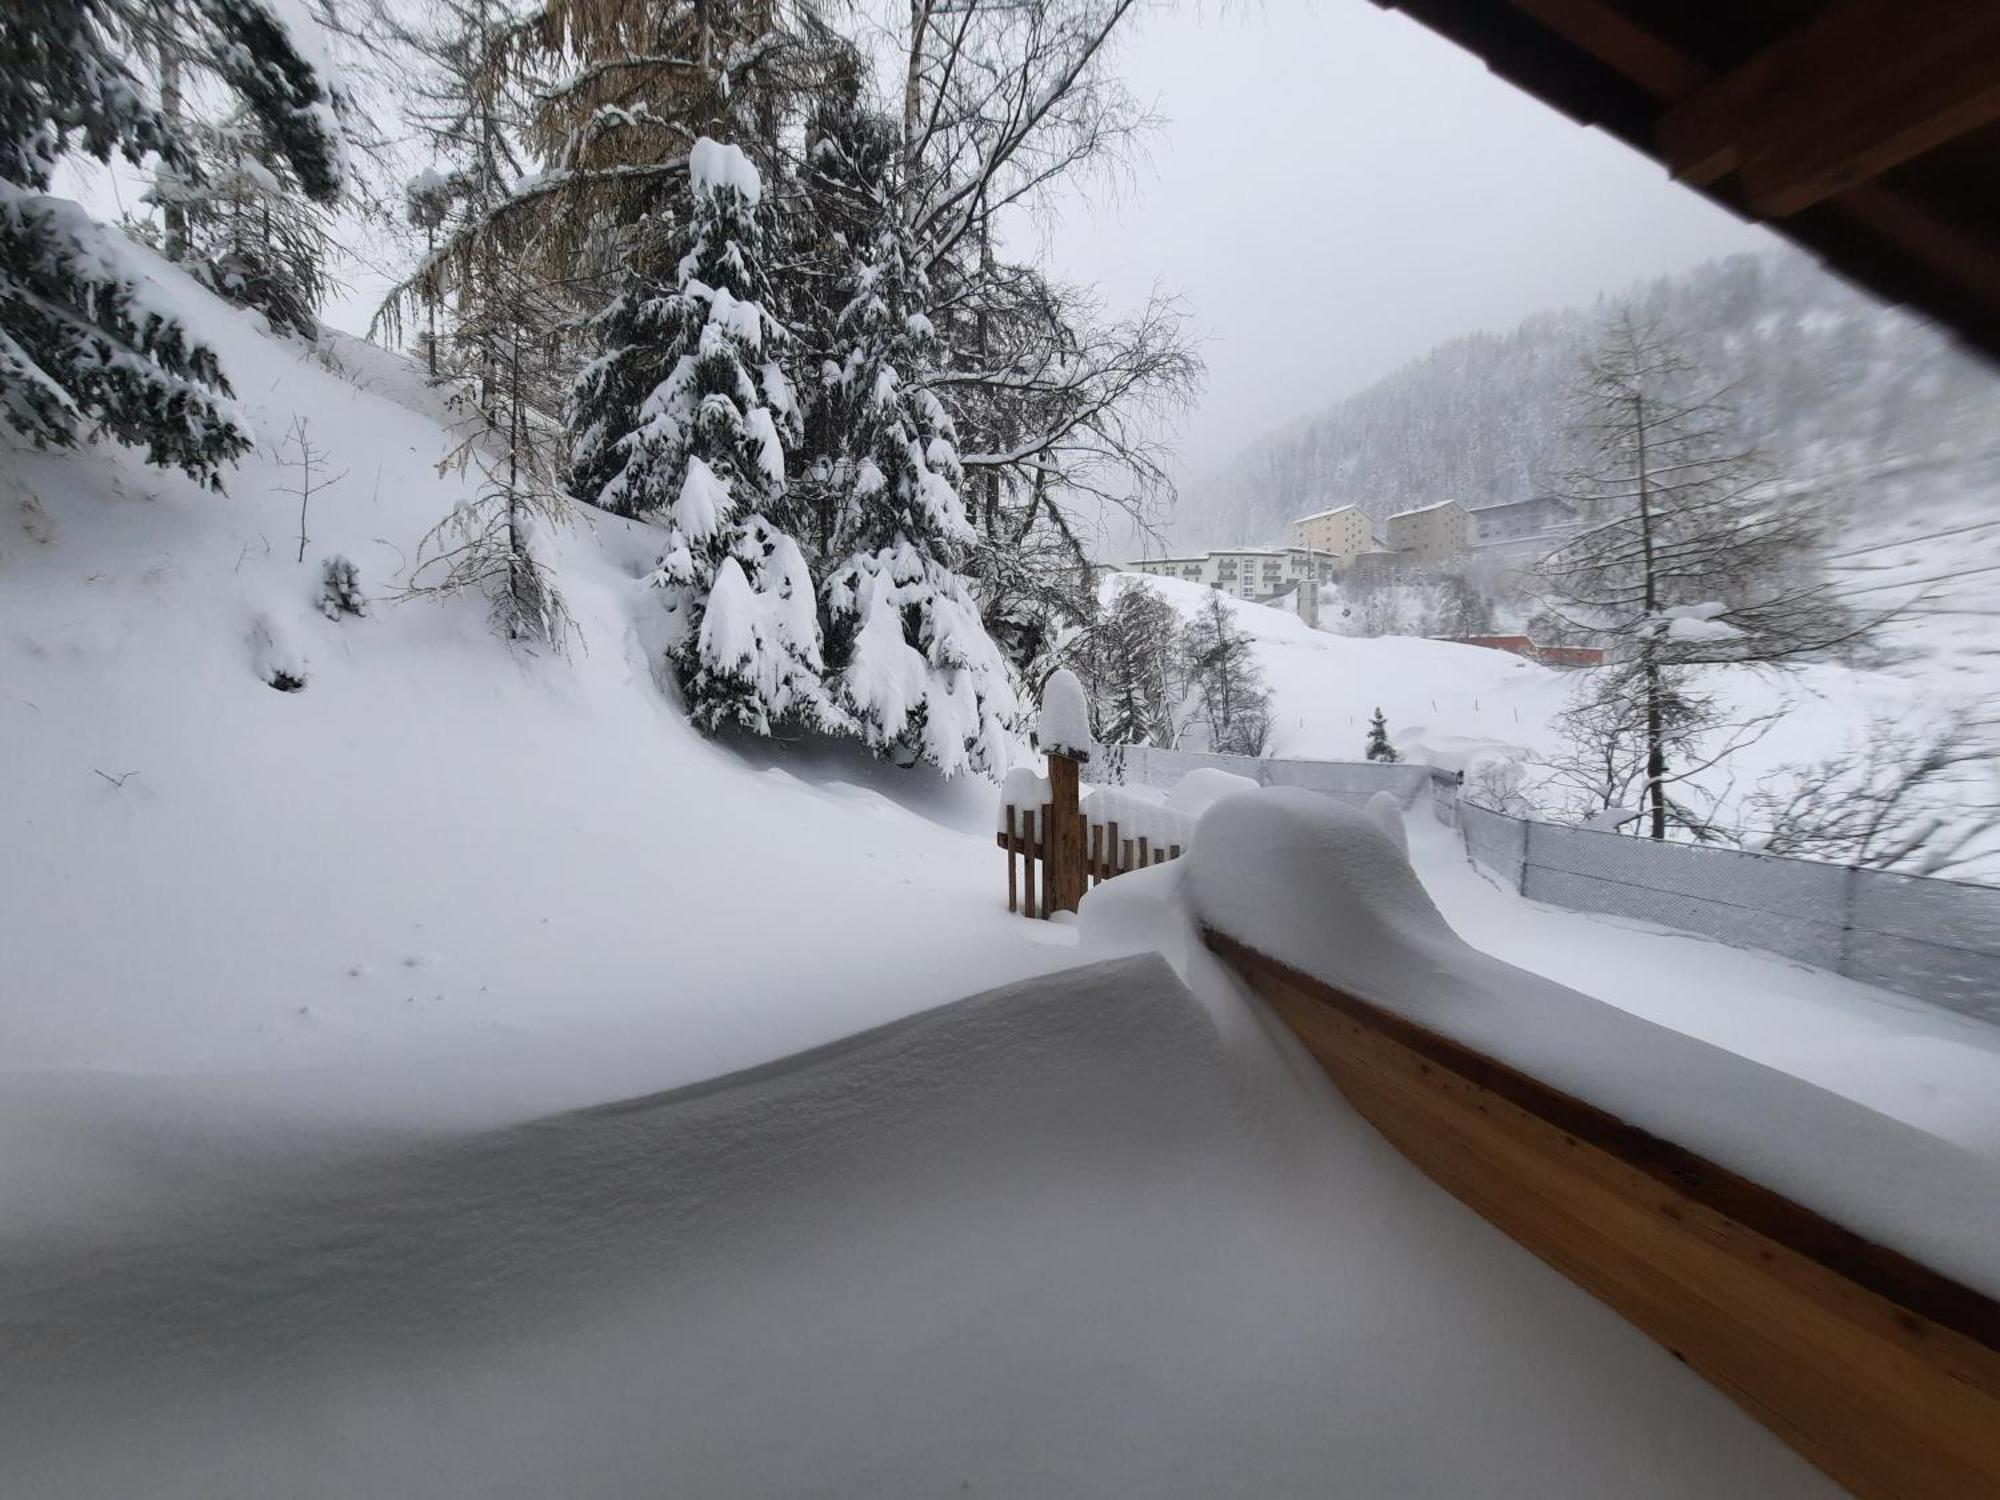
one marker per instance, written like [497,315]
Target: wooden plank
[1028,862]
[1880,1370]
[1615,38]
[1062,879]
[1861,87]
[1011,892]
[1126,863]
[1111,849]
[1096,853]
[1144,858]
[1173,851]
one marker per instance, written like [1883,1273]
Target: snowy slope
[439,843]
[1445,702]
[1034,1244]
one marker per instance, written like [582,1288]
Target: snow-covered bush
[340,588]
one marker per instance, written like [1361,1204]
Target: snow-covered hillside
[310,918]
[439,842]
[1446,704]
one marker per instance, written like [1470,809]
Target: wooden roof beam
[1859,89]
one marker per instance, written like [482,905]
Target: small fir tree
[1379,747]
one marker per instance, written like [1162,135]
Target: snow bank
[1137,817]
[1025,792]
[1321,887]
[1205,785]
[945,1257]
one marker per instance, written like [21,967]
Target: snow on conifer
[910,659]
[90,335]
[705,452]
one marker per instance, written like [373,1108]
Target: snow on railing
[1114,831]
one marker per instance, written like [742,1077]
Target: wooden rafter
[1862,87]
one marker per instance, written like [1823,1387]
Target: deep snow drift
[1319,886]
[1061,1239]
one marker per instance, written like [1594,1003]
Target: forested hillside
[1826,381]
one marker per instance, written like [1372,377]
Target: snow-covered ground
[1085,1237]
[334,1025]
[1445,703]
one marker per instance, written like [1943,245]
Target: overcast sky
[1338,189]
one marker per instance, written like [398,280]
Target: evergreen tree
[707,455]
[1379,747]
[246,231]
[88,339]
[1138,674]
[911,664]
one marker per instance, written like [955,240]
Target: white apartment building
[1345,532]
[1519,532]
[1246,572]
[1432,534]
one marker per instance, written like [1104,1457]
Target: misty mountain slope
[1826,380]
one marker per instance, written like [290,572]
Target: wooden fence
[1073,851]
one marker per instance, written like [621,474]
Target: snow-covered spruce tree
[88,339]
[707,456]
[910,663]
[1137,672]
[1379,747]
[1686,559]
[1233,705]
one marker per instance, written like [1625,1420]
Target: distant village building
[1245,572]
[1343,532]
[1434,534]
[1524,531]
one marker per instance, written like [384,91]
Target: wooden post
[1125,863]
[1096,853]
[1063,886]
[1011,893]
[1145,854]
[1111,850]
[1028,863]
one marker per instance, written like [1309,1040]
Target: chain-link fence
[1936,940]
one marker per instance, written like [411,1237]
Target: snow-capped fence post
[1063,834]
[1064,733]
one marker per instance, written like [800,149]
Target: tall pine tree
[706,454]
[910,662]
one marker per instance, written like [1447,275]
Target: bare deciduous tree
[1687,559]
[1922,800]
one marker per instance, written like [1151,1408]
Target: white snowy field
[1083,1237]
[334,1025]
[1445,703]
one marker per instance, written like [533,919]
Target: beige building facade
[1434,534]
[1343,532]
